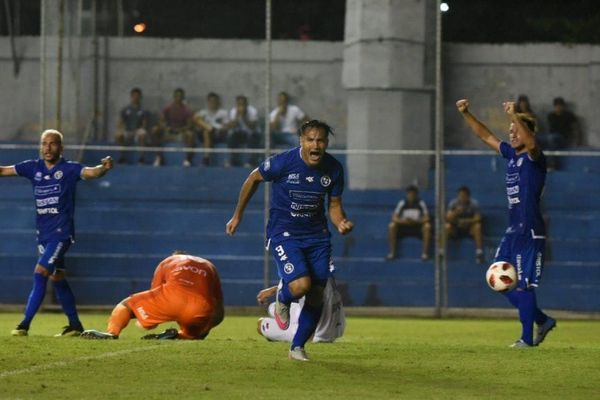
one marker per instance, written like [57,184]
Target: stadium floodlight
[140,27]
[444,7]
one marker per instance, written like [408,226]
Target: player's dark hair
[136,90]
[179,90]
[558,101]
[284,94]
[212,95]
[464,189]
[241,97]
[529,121]
[412,188]
[315,124]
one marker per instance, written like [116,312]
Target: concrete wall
[310,71]
[489,74]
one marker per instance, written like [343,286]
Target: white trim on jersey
[533,235]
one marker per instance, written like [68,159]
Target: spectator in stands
[410,218]
[175,124]
[213,122]
[524,107]
[132,124]
[563,128]
[244,131]
[285,120]
[463,219]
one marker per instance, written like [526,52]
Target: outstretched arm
[478,128]
[338,216]
[527,137]
[99,170]
[8,171]
[246,192]
[265,294]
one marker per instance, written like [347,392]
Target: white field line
[55,364]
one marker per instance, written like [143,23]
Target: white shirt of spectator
[290,122]
[217,119]
[414,212]
[251,116]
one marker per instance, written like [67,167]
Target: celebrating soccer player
[524,240]
[297,231]
[185,289]
[54,180]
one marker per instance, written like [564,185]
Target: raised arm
[246,192]
[99,170]
[526,135]
[478,128]
[263,296]
[338,216]
[8,171]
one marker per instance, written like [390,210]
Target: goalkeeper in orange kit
[185,289]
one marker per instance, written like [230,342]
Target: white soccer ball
[501,276]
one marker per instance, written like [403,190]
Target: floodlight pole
[441,275]
[267,187]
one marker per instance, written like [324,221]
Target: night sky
[475,21]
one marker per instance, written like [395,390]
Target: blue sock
[36,297]
[285,296]
[513,298]
[67,301]
[527,311]
[307,324]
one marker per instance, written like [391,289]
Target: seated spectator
[410,218]
[212,121]
[285,120]
[243,122]
[132,124]
[524,107]
[463,219]
[563,128]
[175,125]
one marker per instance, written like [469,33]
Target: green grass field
[376,359]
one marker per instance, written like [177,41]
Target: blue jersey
[525,180]
[54,194]
[299,192]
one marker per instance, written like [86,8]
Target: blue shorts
[52,254]
[526,253]
[296,258]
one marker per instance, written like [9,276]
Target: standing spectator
[243,122]
[285,120]
[524,107]
[564,130]
[175,125]
[212,121]
[463,219]
[132,125]
[410,218]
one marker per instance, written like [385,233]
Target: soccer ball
[501,276]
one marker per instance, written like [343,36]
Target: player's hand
[463,105]
[107,162]
[345,226]
[263,296]
[509,107]
[232,225]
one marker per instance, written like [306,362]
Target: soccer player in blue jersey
[524,241]
[303,179]
[54,180]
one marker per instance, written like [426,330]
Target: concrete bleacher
[132,218]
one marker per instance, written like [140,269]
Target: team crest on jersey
[38,176]
[519,162]
[325,180]
[58,175]
[288,268]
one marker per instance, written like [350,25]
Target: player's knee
[300,287]
[40,269]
